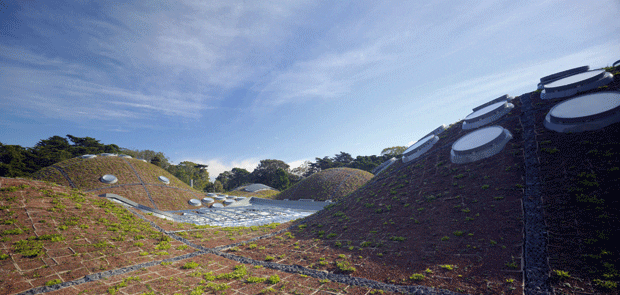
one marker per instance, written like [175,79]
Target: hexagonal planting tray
[480,144]
[584,113]
[486,115]
[574,84]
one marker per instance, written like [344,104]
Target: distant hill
[137,181]
[331,184]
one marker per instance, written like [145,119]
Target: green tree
[148,155]
[266,170]
[218,187]
[393,151]
[52,150]
[187,171]
[281,181]
[16,161]
[343,158]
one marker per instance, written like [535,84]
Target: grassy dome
[331,184]
[137,180]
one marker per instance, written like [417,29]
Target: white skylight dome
[228,202]
[241,198]
[383,166]
[480,144]
[164,179]
[88,156]
[585,112]
[220,197]
[504,97]
[143,160]
[108,155]
[125,156]
[419,148]
[574,84]
[109,179]
[487,115]
[195,202]
[437,131]
[217,205]
[207,200]
[559,75]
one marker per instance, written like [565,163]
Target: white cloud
[217,166]
[296,164]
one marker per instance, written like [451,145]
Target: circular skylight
[125,156]
[108,155]
[383,166]
[562,74]
[217,205]
[487,115]
[479,144]
[211,195]
[109,179]
[240,198]
[143,160]
[88,156]
[220,197]
[207,200]
[195,202]
[504,97]
[574,84]
[419,148]
[228,202]
[585,112]
[164,179]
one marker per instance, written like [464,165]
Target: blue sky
[230,83]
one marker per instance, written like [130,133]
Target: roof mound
[141,182]
[331,184]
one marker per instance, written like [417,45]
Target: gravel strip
[536,266]
[112,186]
[65,175]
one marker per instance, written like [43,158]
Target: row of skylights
[109,179]
[476,145]
[88,156]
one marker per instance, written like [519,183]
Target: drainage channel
[141,182]
[536,267]
[62,171]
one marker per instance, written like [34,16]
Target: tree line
[18,161]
